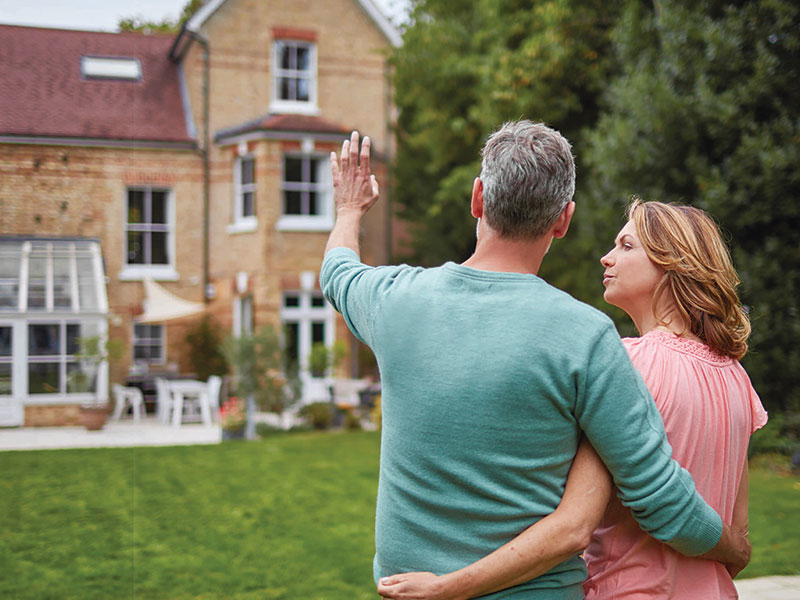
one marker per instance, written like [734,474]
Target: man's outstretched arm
[355,190]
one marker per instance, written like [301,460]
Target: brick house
[198,161]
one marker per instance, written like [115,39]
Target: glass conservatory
[52,296]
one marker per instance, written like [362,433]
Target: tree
[705,111]
[262,373]
[465,67]
[164,26]
[203,344]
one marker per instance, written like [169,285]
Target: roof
[383,24]
[43,94]
[284,123]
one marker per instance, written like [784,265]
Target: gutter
[176,54]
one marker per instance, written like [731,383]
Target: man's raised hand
[354,187]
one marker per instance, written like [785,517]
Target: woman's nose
[606,260]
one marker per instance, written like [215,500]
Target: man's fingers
[334,168]
[354,148]
[345,156]
[365,154]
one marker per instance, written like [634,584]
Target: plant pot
[233,434]
[94,417]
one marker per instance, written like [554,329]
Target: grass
[288,517]
[774,518]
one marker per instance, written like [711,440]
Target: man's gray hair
[528,176]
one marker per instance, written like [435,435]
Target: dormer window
[294,80]
[97,67]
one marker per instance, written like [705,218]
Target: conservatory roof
[51,275]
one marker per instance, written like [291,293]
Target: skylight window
[95,67]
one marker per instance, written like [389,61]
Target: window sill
[299,223]
[299,108]
[246,225]
[156,273]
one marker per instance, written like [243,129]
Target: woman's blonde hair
[699,277]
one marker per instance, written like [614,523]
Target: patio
[125,433]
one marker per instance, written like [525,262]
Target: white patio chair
[214,387]
[164,402]
[129,395]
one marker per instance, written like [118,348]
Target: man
[489,378]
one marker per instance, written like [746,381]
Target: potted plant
[232,418]
[92,351]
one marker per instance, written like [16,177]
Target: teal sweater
[488,380]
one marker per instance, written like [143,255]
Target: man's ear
[476,204]
[562,223]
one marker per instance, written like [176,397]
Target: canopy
[161,305]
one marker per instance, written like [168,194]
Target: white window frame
[280,105]
[149,341]
[323,220]
[241,222]
[157,272]
[111,67]
[304,315]
[242,316]
[62,359]
[64,251]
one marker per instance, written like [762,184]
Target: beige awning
[161,305]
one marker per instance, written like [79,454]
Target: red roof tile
[42,92]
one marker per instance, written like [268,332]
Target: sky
[103,15]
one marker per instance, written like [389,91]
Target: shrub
[267,429]
[318,414]
[780,435]
[352,422]
[204,348]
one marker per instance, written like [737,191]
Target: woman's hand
[415,586]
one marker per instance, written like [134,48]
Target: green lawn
[288,517]
[774,521]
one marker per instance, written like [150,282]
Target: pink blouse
[710,409]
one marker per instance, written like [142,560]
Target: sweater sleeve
[355,289]
[620,419]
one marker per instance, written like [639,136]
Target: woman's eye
[627,247]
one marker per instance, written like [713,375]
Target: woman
[671,272]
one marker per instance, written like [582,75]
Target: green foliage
[166,26]
[781,435]
[704,111]
[322,357]
[352,422]
[204,348]
[465,67]
[92,350]
[318,414]
[261,370]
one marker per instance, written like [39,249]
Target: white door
[11,411]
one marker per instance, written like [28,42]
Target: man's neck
[495,253]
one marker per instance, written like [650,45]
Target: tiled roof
[285,123]
[42,92]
